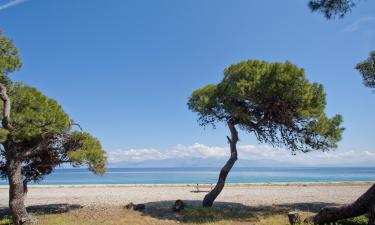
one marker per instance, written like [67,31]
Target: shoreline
[254,194]
[318,183]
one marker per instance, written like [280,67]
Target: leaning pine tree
[365,204]
[275,102]
[36,136]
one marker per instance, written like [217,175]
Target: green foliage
[88,151]
[361,220]
[332,8]
[41,134]
[6,220]
[3,135]
[272,100]
[33,114]
[9,58]
[42,128]
[367,70]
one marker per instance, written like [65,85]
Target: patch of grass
[189,216]
[6,220]
[200,215]
[361,220]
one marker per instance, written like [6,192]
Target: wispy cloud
[11,4]
[260,153]
[358,23]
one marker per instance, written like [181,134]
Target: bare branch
[229,140]
[72,123]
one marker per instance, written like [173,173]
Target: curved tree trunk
[371,215]
[364,204]
[17,188]
[212,195]
[17,193]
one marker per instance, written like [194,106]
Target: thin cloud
[260,153]
[11,4]
[358,23]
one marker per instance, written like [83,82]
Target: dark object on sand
[136,207]
[178,206]
[294,218]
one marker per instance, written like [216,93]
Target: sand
[249,195]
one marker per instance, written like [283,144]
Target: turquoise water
[209,175]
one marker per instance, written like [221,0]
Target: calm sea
[209,175]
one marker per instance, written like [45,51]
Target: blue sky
[124,69]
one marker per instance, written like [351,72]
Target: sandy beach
[249,194]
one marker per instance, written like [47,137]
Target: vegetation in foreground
[191,215]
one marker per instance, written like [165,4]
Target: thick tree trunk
[17,193]
[212,195]
[371,215]
[362,205]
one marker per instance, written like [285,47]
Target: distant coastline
[207,175]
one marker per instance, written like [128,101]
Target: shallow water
[209,175]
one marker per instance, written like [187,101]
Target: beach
[246,194]
[238,204]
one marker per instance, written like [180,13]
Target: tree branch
[6,107]
[72,123]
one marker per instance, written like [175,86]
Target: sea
[200,175]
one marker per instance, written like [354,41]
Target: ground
[73,215]
[260,204]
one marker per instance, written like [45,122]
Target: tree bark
[362,205]
[17,187]
[371,215]
[6,107]
[17,193]
[212,195]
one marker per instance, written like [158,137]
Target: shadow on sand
[44,209]
[194,213]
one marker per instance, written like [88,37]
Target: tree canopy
[332,8]
[367,70]
[41,132]
[272,100]
[36,135]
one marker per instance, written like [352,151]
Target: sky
[124,69]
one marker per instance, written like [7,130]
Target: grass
[6,220]
[361,220]
[189,216]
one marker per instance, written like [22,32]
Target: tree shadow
[195,213]
[45,209]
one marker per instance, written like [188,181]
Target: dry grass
[155,216]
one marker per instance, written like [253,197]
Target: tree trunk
[362,205]
[212,195]
[17,193]
[371,215]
